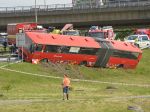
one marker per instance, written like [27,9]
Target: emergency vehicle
[141,41]
[3,37]
[144,31]
[105,32]
[42,47]
[14,28]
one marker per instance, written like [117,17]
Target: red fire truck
[14,28]
[143,32]
[87,51]
[105,32]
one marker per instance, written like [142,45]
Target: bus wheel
[83,63]
[44,60]
[120,66]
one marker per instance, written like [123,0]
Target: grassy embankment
[45,93]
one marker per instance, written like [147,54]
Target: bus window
[35,47]
[57,49]
[88,51]
[125,54]
[38,47]
[64,49]
[74,50]
[32,48]
[51,48]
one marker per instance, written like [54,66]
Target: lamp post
[35,13]
[45,4]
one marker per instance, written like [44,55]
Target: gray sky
[12,3]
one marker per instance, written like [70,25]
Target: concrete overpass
[81,16]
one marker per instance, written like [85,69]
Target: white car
[141,41]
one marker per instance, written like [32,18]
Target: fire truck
[14,28]
[66,30]
[143,31]
[42,47]
[105,32]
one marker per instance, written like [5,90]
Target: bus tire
[120,66]
[45,60]
[83,63]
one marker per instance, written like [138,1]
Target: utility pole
[35,13]
[45,3]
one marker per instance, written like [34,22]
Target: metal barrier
[87,5]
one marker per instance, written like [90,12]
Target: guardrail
[72,6]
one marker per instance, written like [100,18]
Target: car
[3,38]
[141,41]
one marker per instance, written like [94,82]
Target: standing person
[5,45]
[66,84]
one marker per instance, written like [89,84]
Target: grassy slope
[95,96]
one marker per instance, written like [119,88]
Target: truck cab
[105,32]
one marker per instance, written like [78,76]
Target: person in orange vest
[66,85]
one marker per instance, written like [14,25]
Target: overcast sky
[12,3]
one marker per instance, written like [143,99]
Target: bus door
[103,54]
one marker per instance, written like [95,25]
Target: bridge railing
[87,5]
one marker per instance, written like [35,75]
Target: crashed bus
[42,47]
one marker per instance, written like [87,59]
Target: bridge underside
[125,16]
[117,23]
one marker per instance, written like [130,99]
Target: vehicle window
[63,49]
[144,38]
[140,38]
[57,49]
[74,50]
[88,51]
[38,47]
[76,33]
[125,54]
[51,48]
[132,37]
[96,34]
[31,48]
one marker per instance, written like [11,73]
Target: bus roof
[124,46]
[56,39]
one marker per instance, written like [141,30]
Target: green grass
[46,93]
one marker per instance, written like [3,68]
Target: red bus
[80,50]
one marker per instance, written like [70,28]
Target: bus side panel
[126,63]
[71,58]
[79,58]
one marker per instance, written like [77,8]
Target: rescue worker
[65,86]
